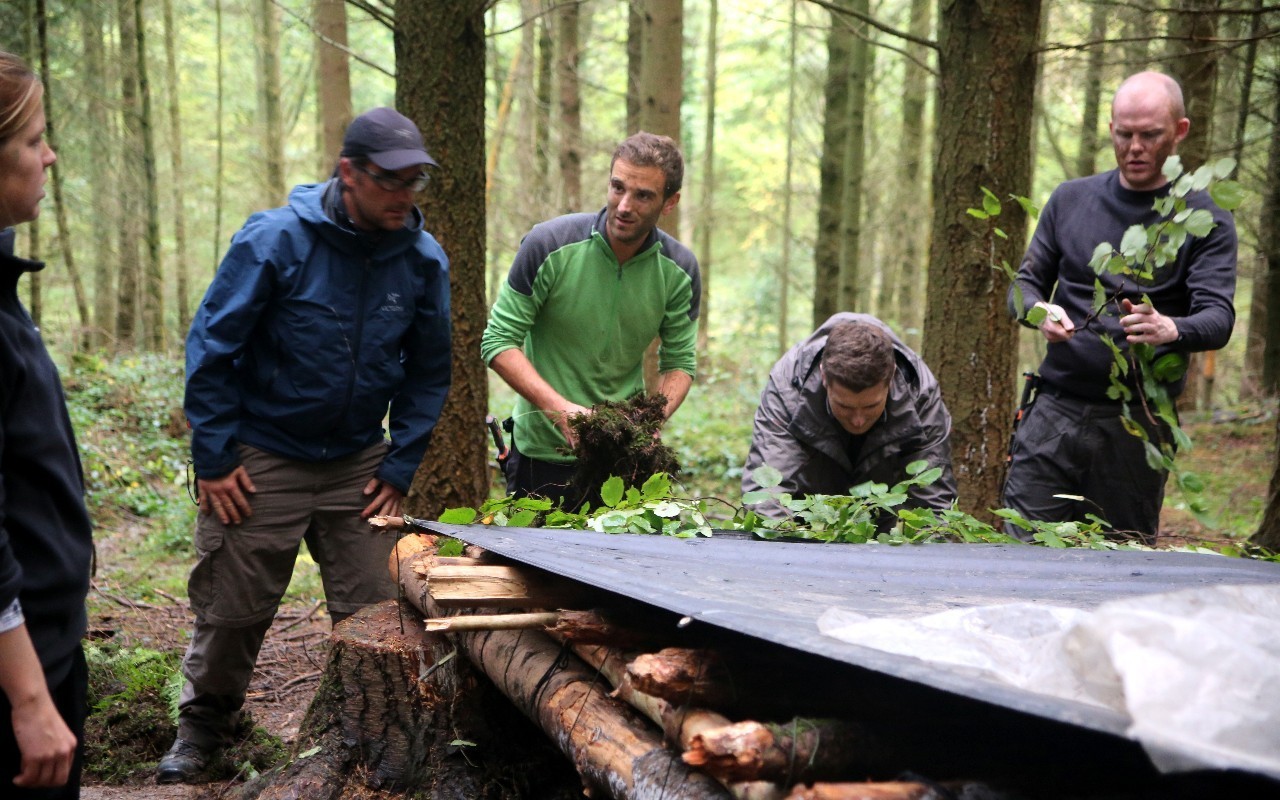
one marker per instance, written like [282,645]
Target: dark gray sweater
[1197,290]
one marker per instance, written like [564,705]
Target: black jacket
[45,536]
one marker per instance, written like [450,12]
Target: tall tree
[153,286]
[542,116]
[570,96]
[219,139]
[706,197]
[986,89]
[267,29]
[52,121]
[784,266]
[662,77]
[1269,243]
[333,79]
[1087,160]
[916,80]
[1255,341]
[440,52]
[180,268]
[1193,60]
[831,187]
[850,297]
[1268,534]
[131,188]
[660,91]
[99,173]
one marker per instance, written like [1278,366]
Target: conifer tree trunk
[706,204]
[1087,160]
[1255,342]
[567,22]
[153,285]
[986,90]
[662,78]
[130,184]
[914,103]
[333,80]
[1193,60]
[267,28]
[440,52]
[784,268]
[851,297]
[104,204]
[180,267]
[218,139]
[660,92]
[1269,242]
[542,121]
[831,195]
[52,121]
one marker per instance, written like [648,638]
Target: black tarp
[775,591]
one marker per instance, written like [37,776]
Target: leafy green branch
[869,513]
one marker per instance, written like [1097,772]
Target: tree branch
[875,23]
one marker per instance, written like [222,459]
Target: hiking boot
[183,763]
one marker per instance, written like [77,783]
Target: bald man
[1072,441]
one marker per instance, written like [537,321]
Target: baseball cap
[387,138]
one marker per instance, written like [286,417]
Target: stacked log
[549,645]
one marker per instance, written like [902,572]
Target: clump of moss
[622,439]
[132,719]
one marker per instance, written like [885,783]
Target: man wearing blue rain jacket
[324,315]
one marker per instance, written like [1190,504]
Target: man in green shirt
[586,295]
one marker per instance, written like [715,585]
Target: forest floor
[133,604]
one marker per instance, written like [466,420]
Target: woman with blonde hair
[45,536]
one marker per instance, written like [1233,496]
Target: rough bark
[662,78]
[917,80]
[783,340]
[153,284]
[105,207]
[1268,533]
[271,134]
[1087,160]
[181,269]
[1269,227]
[831,196]
[391,713]
[52,120]
[609,744]
[333,80]
[1193,60]
[570,99]
[706,195]
[130,190]
[1255,342]
[986,93]
[851,296]
[440,51]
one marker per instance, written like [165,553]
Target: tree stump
[401,712]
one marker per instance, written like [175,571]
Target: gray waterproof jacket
[796,434]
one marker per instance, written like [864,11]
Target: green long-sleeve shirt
[584,321]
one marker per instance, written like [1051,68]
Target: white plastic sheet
[1197,672]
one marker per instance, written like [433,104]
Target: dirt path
[288,670]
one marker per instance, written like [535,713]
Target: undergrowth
[133,702]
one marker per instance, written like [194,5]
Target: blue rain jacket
[310,332]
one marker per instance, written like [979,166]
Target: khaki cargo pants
[243,570]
